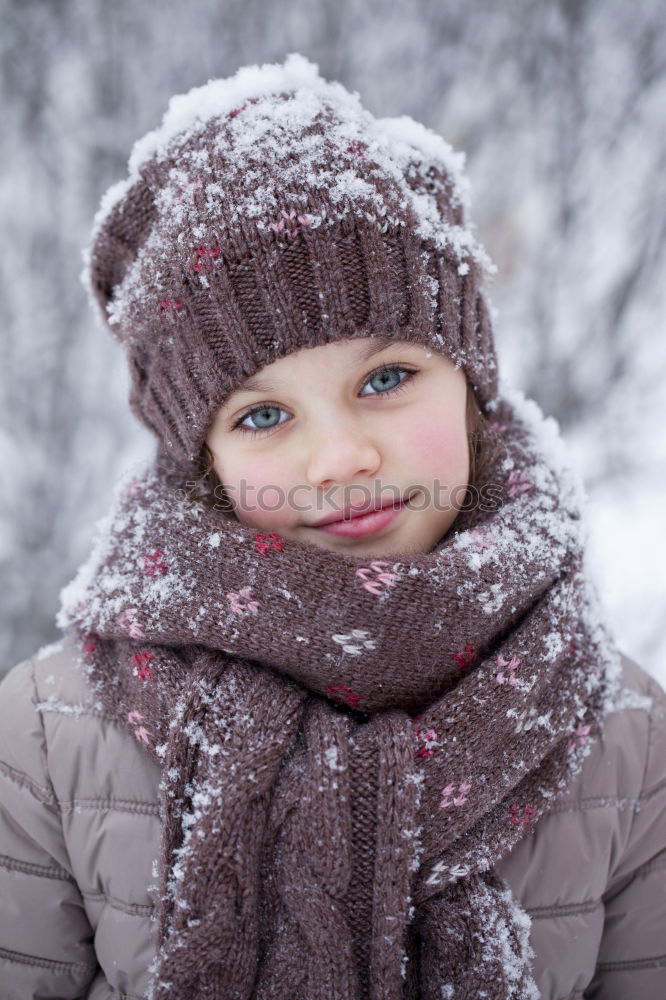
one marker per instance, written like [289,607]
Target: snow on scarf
[348,745]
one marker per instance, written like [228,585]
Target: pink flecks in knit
[343,693]
[507,675]
[241,602]
[153,564]
[169,308]
[89,643]
[140,732]
[354,642]
[425,740]
[288,217]
[521,816]
[494,425]
[381,580]
[451,798]
[580,736]
[518,482]
[357,147]
[142,666]
[482,536]
[237,111]
[206,257]
[466,657]
[127,620]
[268,541]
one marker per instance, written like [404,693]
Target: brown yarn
[345,755]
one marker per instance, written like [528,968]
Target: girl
[335,714]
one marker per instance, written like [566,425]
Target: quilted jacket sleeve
[632,955]
[46,941]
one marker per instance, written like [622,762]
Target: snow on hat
[271,212]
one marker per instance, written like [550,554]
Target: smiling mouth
[351,513]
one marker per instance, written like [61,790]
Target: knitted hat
[271,212]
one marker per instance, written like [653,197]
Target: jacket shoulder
[56,735]
[50,680]
[635,735]
[60,676]
[45,937]
[605,828]
[622,762]
[631,950]
[633,739]
[22,742]
[624,767]
[92,755]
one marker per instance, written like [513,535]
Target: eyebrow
[379,344]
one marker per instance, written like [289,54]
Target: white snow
[53,704]
[627,699]
[266,127]
[331,755]
[49,650]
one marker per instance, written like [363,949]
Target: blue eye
[386,373]
[261,414]
[382,374]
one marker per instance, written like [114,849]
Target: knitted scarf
[349,744]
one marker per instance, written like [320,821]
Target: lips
[351,511]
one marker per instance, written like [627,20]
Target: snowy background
[561,109]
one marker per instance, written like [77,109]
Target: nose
[340,452]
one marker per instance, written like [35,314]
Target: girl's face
[362,423]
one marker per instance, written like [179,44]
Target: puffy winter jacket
[79,831]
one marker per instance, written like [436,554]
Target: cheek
[437,449]
[258,490]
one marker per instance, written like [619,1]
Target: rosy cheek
[267,520]
[436,451]
[260,495]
